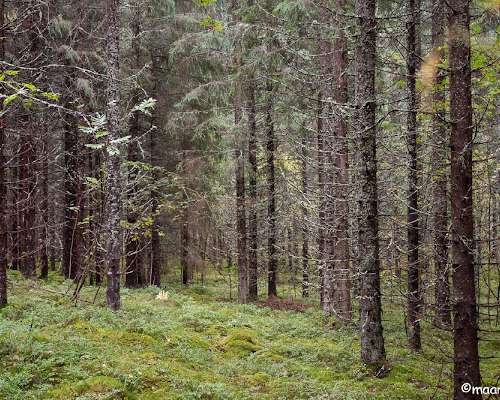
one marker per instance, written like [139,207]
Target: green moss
[98,385]
[240,342]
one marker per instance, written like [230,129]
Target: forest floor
[196,344]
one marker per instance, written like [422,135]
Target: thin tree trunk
[44,208]
[134,258]
[113,186]
[439,157]
[414,300]
[3,187]
[271,196]
[466,354]
[305,217]
[372,339]
[252,212]
[321,193]
[241,227]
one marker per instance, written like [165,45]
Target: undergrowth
[189,344]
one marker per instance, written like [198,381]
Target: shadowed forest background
[205,199]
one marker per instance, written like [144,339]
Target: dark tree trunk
[113,186]
[241,225]
[466,354]
[413,63]
[3,187]
[342,284]
[44,208]
[271,195]
[439,162]
[252,212]
[372,339]
[72,234]
[155,195]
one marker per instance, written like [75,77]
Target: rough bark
[321,193]
[342,284]
[113,183]
[466,354]
[413,63]
[271,195]
[372,340]
[440,179]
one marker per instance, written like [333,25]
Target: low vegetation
[193,343]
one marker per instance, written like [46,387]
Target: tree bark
[271,195]
[413,63]
[113,161]
[372,340]
[440,179]
[342,283]
[466,354]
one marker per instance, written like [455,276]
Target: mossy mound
[240,342]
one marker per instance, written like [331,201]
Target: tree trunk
[466,354]
[342,284]
[113,184]
[305,217]
[134,258]
[155,162]
[3,187]
[439,158]
[321,193]
[241,227]
[372,339]
[413,63]
[252,212]
[44,208]
[271,195]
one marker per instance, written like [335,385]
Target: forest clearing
[270,199]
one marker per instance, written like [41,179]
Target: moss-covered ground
[195,344]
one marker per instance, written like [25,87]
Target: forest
[255,199]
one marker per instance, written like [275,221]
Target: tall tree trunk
[113,161]
[321,193]
[155,195]
[413,62]
[439,157]
[134,258]
[271,195]
[252,212]
[372,339]
[342,284]
[241,228]
[3,187]
[466,354]
[305,217]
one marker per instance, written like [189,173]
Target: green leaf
[9,99]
